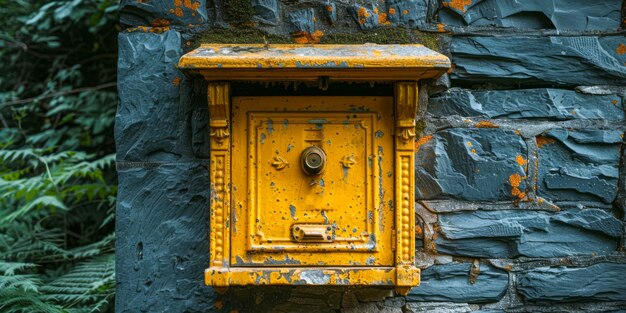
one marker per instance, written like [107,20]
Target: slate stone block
[450,283]
[599,282]
[177,13]
[485,164]
[302,21]
[266,11]
[365,17]
[579,165]
[588,60]
[411,13]
[437,307]
[150,120]
[161,241]
[578,15]
[515,233]
[330,11]
[535,104]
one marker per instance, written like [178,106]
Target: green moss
[388,35]
[380,36]
[420,125]
[238,11]
[429,40]
[240,35]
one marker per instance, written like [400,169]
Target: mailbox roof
[300,62]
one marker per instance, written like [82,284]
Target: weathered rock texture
[519,170]
[580,15]
[579,165]
[453,282]
[599,282]
[588,60]
[536,104]
[485,164]
[515,233]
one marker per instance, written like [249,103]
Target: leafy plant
[57,181]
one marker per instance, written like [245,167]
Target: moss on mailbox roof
[313,56]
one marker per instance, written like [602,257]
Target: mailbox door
[312,181]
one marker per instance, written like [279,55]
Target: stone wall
[520,164]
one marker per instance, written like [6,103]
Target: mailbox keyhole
[313,160]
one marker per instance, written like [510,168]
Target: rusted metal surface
[313,190]
[369,62]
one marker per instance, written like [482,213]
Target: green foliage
[57,177]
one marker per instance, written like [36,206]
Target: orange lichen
[176,81]
[515,180]
[422,141]
[179,12]
[362,15]
[614,102]
[418,231]
[392,11]
[405,12]
[303,37]
[382,19]
[542,140]
[329,8]
[469,144]
[485,124]
[521,161]
[160,22]
[460,5]
[440,28]
[146,29]
[192,5]
[474,151]
[621,49]
[178,3]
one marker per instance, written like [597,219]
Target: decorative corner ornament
[407,134]
[348,161]
[220,134]
[279,163]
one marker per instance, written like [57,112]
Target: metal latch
[312,233]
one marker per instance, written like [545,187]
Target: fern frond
[17,301]
[87,283]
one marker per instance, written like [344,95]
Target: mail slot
[313,190]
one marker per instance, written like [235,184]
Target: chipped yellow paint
[368,62]
[356,201]
[279,218]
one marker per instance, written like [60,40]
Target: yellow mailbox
[315,190]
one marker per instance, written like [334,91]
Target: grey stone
[437,307]
[579,15]
[588,60]
[161,244]
[514,233]
[535,104]
[411,13]
[579,165]
[302,21]
[471,164]
[372,307]
[266,11]
[599,282]
[450,283]
[365,17]
[178,13]
[330,11]
[150,116]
